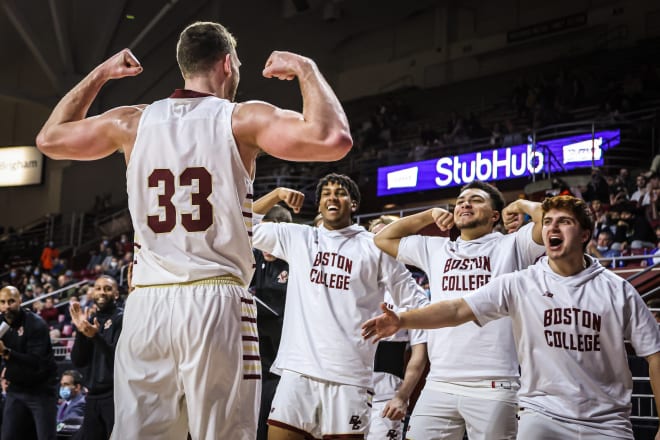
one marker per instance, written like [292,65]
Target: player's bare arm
[68,134]
[320,133]
[448,313]
[397,407]
[521,206]
[293,199]
[654,375]
[389,238]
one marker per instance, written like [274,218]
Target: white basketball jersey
[189,194]
[570,335]
[337,281]
[456,269]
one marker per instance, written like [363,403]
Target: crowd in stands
[625,213]
[532,103]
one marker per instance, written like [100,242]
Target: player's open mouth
[555,241]
[333,208]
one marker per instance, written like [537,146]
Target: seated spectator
[640,196]
[604,248]
[59,267]
[627,181]
[55,337]
[654,307]
[597,188]
[511,136]
[113,268]
[633,229]
[72,407]
[49,312]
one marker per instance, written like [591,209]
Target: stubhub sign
[555,156]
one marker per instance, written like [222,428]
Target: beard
[103,306]
[11,315]
[470,224]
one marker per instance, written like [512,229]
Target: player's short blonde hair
[201,45]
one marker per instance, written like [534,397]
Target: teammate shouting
[570,317]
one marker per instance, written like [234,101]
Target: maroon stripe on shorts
[250,338]
[248,319]
[251,357]
[247,300]
[340,436]
[290,428]
[252,376]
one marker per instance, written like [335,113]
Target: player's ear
[226,64]
[586,236]
[496,217]
[354,206]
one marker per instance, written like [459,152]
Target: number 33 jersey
[189,195]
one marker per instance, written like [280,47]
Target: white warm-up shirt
[336,282]
[569,334]
[456,269]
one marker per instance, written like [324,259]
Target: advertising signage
[20,166]
[551,156]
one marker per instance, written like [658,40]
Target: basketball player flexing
[336,276]
[473,378]
[188,358]
[570,318]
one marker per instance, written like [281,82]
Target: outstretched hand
[284,65]
[381,326]
[294,199]
[120,65]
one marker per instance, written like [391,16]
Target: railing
[62,348]
[55,292]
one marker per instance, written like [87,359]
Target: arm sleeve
[527,250]
[275,238]
[398,281]
[413,250]
[81,352]
[491,301]
[418,336]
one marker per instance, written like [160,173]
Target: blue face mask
[65,393]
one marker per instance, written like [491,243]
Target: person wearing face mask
[72,408]
[94,348]
[603,248]
[30,368]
